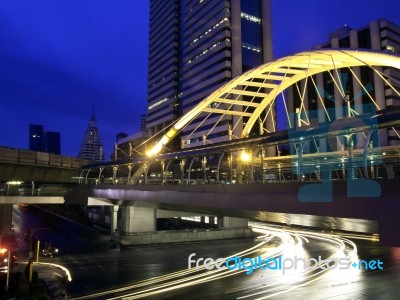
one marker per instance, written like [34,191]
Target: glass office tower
[196,46]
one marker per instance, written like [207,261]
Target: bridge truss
[249,104]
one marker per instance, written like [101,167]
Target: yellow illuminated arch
[270,80]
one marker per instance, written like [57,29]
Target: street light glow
[14,182]
[245,156]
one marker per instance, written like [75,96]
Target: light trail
[274,242]
[67,273]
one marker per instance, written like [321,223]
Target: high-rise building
[92,147]
[196,47]
[36,138]
[360,84]
[44,141]
[53,144]
[163,68]
[143,122]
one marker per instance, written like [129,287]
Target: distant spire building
[92,147]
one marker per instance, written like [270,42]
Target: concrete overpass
[255,201]
[26,165]
[32,177]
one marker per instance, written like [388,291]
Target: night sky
[59,58]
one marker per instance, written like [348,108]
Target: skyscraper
[53,142]
[36,138]
[44,141]
[196,47]
[91,147]
[361,85]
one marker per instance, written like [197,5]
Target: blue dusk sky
[59,58]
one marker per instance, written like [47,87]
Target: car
[49,250]
[4,259]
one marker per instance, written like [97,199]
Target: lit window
[250,18]
[157,103]
[251,47]
[209,30]
[391,48]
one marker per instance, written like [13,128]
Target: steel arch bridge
[262,85]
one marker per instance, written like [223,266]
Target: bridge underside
[256,202]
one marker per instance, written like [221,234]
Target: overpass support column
[163,176]
[230,222]
[129,173]
[114,218]
[190,169]
[300,161]
[114,179]
[182,166]
[365,152]
[350,169]
[99,178]
[230,161]
[5,219]
[262,164]
[145,172]
[138,219]
[204,167]
[219,167]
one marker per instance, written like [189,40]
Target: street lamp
[245,156]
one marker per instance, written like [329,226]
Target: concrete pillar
[114,217]
[231,222]
[230,161]
[138,219]
[182,167]
[204,167]
[114,179]
[145,171]
[5,219]
[129,173]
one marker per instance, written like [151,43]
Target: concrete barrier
[179,236]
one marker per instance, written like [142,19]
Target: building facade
[196,47]
[92,147]
[358,84]
[44,141]
[163,64]
[53,142]
[36,138]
